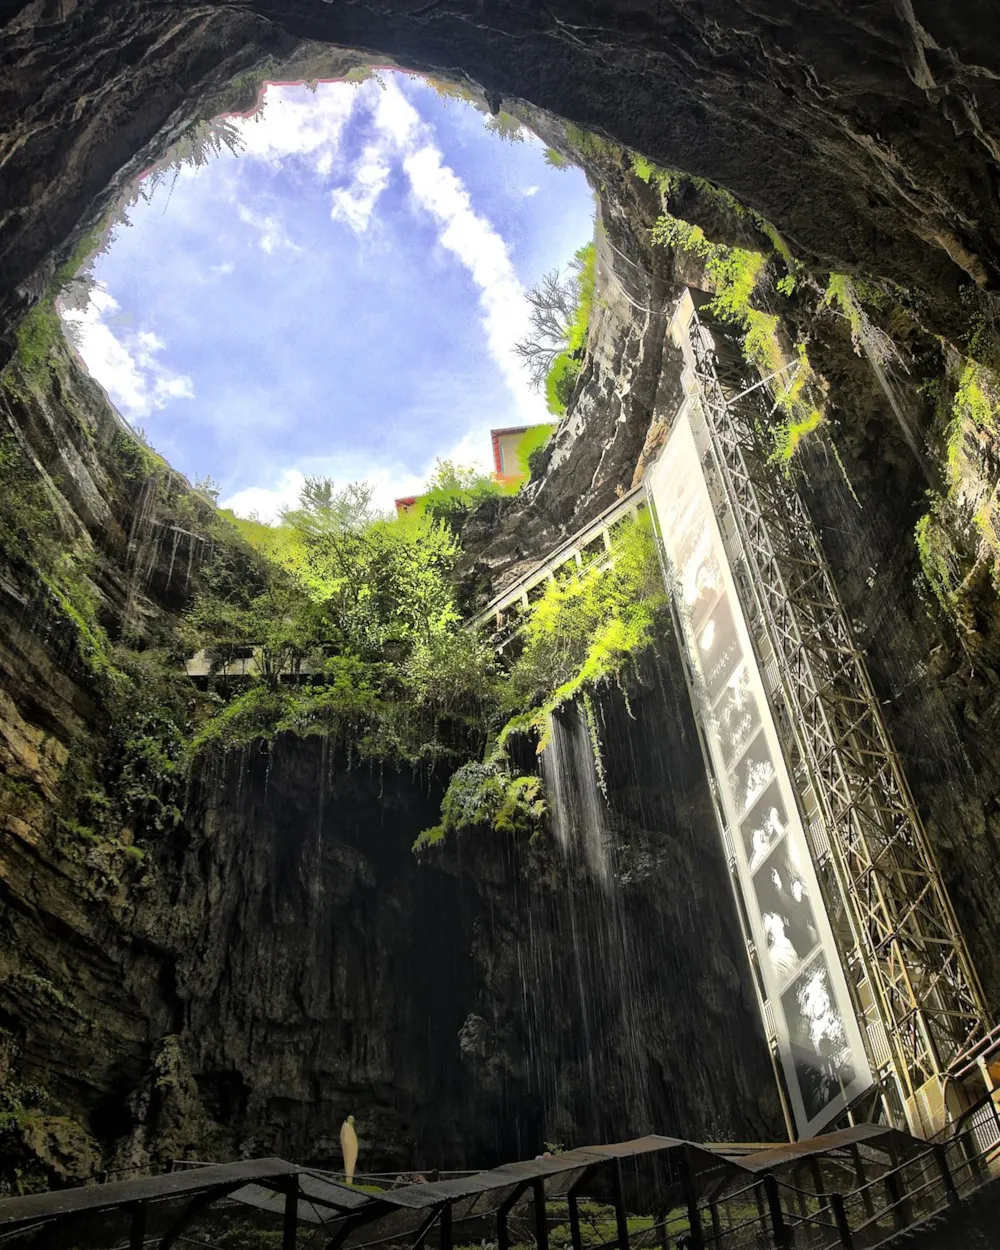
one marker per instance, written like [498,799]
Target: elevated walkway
[854,1189]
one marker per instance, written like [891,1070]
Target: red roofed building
[506,466]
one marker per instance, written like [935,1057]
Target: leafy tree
[505,127]
[369,600]
[323,509]
[554,158]
[454,490]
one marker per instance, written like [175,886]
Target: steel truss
[888,906]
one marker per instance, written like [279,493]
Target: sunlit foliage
[736,274]
[362,608]
[586,628]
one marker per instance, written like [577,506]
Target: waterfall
[637,1009]
[579,815]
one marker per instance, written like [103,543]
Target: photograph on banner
[718,648]
[752,775]
[763,826]
[786,911]
[821,1051]
[736,716]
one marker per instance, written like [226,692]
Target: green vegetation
[454,491]
[736,274]
[364,605]
[530,446]
[565,368]
[505,127]
[585,631]
[488,795]
[957,539]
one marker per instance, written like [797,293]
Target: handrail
[594,527]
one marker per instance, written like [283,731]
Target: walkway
[854,1189]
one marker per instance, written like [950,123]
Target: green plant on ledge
[585,631]
[736,274]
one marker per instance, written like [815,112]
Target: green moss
[530,446]
[488,795]
[585,629]
[736,276]
[957,539]
[791,433]
[560,381]
[589,145]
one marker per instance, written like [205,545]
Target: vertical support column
[446,1227]
[541,1223]
[902,1210]
[137,1228]
[696,1233]
[949,1181]
[779,1229]
[503,1237]
[863,1186]
[574,1221]
[840,1219]
[290,1223]
[817,1178]
[618,1195]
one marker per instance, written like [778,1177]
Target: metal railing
[594,538]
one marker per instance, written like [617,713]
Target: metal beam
[290,1220]
[541,1218]
[888,906]
[618,1197]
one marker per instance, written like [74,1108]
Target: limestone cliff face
[251,959]
[278,957]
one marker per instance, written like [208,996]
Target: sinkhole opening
[370,280]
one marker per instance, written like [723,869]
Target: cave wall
[240,991]
[613,985]
[869,137]
[237,981]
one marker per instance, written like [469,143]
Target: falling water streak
[889,391]
[173,556]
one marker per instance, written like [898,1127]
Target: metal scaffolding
[905,958]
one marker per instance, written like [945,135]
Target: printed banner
[818,1037]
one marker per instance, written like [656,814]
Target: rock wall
[279,957]
[869,137]
[612,983]
[235,978]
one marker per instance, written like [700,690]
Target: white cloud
[470,237]
[271,234]
[483,252]
[530,191]
[391,480]
[296,123]
[265,502]
[126,365]
[355,204]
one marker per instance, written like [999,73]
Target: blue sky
[340,298]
